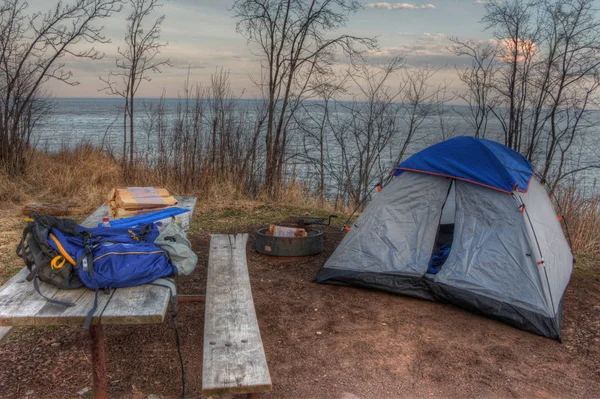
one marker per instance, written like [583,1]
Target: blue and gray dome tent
[464,221]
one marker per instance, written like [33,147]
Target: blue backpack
[107,257]
[58,251]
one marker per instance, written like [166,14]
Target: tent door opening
[445,233]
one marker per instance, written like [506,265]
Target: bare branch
[33,50]
[137,61]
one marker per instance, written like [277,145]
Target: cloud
[418,50]
[434,37]
[425,37]
[481,2]
[399,6]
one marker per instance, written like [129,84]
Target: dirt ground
[324,341]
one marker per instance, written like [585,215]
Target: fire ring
[289,246]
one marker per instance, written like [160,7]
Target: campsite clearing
[325,341]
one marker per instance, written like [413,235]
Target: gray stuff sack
[172,239]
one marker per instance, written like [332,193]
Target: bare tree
[364,130]
[572,68]
[350,146]
[544,81]
[136,62]
[293,42]
[420,102]
[33,50]
[516,26]
[478,79]
[315,125]
[448,125]
[211,140]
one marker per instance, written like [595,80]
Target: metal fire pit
[289,246]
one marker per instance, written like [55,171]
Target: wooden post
[98,362]
[61,209]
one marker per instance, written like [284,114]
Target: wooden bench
[234,358]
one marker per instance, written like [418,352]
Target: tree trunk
[269,171]
[125,110]
[131,142]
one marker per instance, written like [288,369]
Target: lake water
[99,121]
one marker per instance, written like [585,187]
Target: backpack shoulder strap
[37,289]
[34,269]
[86,262]
[21,247]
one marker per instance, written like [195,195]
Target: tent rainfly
[464,221]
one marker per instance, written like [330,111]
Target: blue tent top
[478,161]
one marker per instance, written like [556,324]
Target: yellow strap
[61,249]
[133,236]
[57,262]
[28,219]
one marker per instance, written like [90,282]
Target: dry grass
[582,214]
[84,175]
[10,234]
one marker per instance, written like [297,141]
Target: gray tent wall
[491,267]
[390,244]
[549,244]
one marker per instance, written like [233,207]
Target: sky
[202,37]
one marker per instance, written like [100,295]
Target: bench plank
[20,302]
[22,306]
[4,331]
[52,314]
[144,304]
[234,358]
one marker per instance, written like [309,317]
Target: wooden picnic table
[21,305]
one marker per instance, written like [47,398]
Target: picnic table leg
[253,396]
[98,362]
